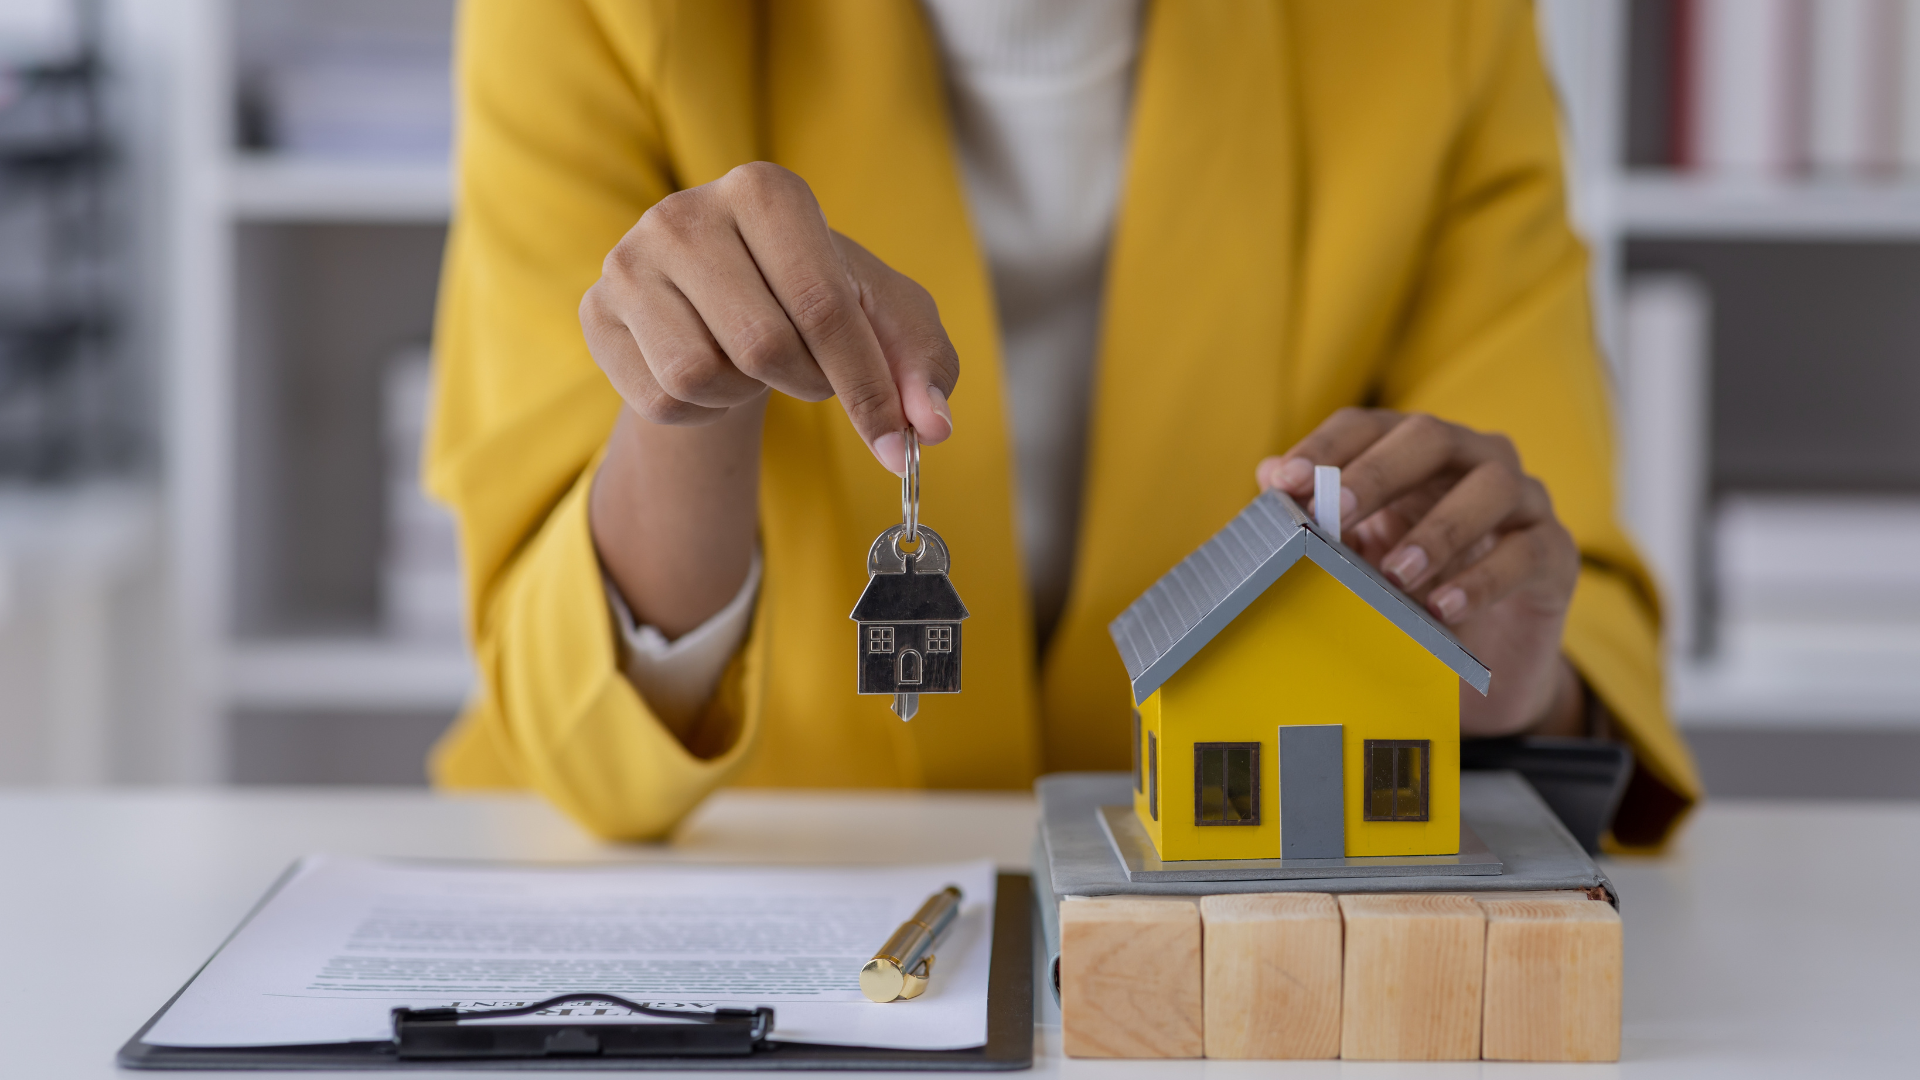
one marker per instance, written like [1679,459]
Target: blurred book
[1854,87]
[1739,88]
[1770,89]
[1908,78]
[360,96]
[420,586]
[1818,559]
[1664,417]
[1819,603]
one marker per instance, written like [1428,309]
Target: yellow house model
[1291,702]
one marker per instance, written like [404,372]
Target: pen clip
[916,980]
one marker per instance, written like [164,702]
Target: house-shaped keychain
[1291,702]
[909,620]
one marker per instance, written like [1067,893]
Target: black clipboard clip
[426,1034]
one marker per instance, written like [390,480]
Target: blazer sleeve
[561,149]
[1500,337]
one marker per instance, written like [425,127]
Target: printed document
[345,941]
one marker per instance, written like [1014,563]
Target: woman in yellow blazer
[1328,203]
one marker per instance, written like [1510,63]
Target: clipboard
[1009,1043]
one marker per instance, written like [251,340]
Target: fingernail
[1449,602]
[891,449]
[1296,473]
[939,400]
[1407,565]
[1348,502]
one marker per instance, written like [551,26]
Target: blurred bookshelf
[79,509]
[1754,277]
[310,196]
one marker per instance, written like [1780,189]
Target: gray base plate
[1136,852]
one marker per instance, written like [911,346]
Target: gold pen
[899,971]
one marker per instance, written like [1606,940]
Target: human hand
[736,286]
[1450,515]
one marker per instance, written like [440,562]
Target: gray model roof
[1174,620]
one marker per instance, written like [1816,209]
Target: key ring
[910,488]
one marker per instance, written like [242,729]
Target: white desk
[109,900]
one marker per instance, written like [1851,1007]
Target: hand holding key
[736,286]
[718,294]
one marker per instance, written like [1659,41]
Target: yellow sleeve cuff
[1613,640]
[555,713]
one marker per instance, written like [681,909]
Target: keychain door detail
[909,616]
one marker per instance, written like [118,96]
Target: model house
[1290,701]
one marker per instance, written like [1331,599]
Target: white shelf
[269,188]
[1654,205]
[98,524]
[348,674]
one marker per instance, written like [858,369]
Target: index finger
[1339,439]
[785,231]
[1417,450]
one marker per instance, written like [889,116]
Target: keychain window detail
[879,639]
[939,639]
[1396,771]
[1226,783]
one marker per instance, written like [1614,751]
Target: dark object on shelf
[63,397]
[1580,780]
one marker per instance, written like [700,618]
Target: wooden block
[1130,978]
[1412,978]
[1553,981]
[1272,982]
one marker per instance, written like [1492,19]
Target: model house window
[939,639]
[1153,777]
[879,639]
[1226,783]
[1138,780]
[1397,779]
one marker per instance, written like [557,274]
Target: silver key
[909,614]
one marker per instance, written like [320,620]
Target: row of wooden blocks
[1388,977]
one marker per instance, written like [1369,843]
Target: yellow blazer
[1327,202]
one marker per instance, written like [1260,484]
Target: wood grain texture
[1412,978]
[1272,987]
[1552,982]
[1130,978]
